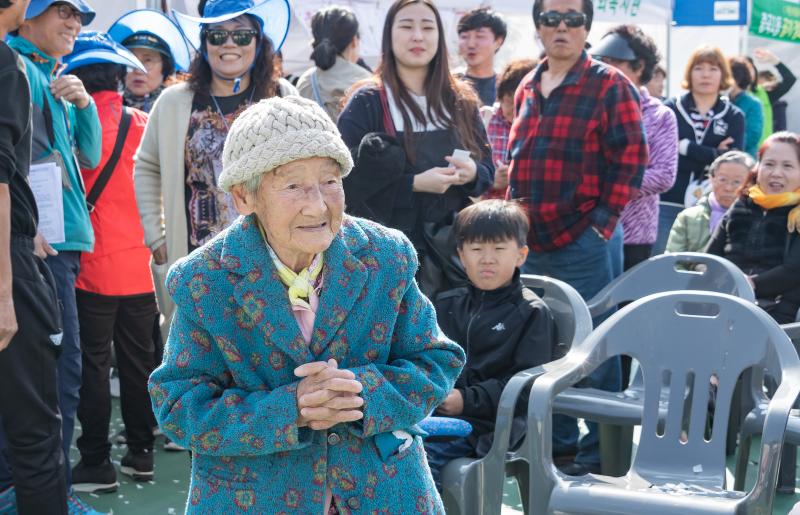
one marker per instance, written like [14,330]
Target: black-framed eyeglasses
[66,11]
[554,18]
[241,37]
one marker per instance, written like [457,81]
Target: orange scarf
[787,198]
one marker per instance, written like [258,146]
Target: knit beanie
[277,131]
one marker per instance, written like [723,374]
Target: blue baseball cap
[273,15]
[37,7]
[98,47]
[135,29]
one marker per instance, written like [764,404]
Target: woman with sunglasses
[413,176]
[179,160]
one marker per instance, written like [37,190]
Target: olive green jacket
[690,231]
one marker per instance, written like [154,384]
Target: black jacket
[382,180]
[502,332]
[728,121]
[757,241]
[15,141]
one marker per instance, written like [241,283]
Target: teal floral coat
[227,391]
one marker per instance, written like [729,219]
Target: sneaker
[77,506]
[8,501]
[94,479]
[139,466]
[169,445]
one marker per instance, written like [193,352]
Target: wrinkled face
[727,180]
[491,265]
[139,83]
[415,36]
[562,42]
[706,78]
[229,59]
[54,31]
[300,205]
[626,68]
[779,169]
[477,47]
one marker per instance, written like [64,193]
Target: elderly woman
[302,353]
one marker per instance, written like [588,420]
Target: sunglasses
[65,12]
[554,18]
[241,37]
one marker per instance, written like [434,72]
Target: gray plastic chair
[754,421]
[665,272]
[663,332]
[475,486]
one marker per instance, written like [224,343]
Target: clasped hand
[327,395]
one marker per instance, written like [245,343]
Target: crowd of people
[210,202]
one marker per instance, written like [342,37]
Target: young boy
[503,327]
[481,33]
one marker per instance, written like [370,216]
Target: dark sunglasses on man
[554,18]
[241,37]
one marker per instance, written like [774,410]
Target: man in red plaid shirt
[578,154]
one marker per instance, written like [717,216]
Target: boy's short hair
[491,221]
[483,17]
[512,75]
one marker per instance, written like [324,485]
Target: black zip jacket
[503,332]
[757,241]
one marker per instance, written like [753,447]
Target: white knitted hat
[277,131]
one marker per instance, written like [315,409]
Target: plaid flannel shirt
[578,156]
[498,130]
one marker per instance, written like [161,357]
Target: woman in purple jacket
[635,54]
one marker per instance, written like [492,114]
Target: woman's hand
[764,55]
[725,144]
[453,405]
[435,180]
[160,254]
[327,395]
[466,169]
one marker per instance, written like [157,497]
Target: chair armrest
[508,403]
[793,330]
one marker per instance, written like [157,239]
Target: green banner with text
[776,19]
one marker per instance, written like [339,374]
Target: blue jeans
[667,213]
[441,453]
[588,264]
[65,267]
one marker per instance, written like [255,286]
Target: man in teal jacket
[65,128]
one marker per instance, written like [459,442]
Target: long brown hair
[453,102]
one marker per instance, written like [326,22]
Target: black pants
[128,322]
[29,387]
[635,254]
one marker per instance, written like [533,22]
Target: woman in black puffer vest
[760,231]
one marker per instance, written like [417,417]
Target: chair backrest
[671,272]
[664,332]
[569,310]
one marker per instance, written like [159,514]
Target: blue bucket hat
[98,47]
[132,28]
[37,7]
[272,15]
